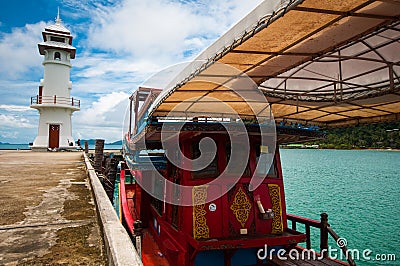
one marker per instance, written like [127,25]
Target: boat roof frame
[360,32]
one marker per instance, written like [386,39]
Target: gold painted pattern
[241,207]
[199,197]
[275,194]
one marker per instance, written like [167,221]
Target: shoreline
[366,149]
[286,148]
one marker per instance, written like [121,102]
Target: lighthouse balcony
[55,101]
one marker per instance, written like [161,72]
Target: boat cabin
[225,228]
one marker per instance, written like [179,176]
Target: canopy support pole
[340,77]
[391,77]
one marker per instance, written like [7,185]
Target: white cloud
[120,44]
[161,31]
[104,118]
[18,50]
[15,122]
[143,28]
[15,108]
[100,66]
[110,134]
[139,38]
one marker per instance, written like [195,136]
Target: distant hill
[118,142]
[363,136]
[93,142]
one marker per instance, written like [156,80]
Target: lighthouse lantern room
[54,101]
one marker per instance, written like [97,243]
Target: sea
[4,146]
[360,192]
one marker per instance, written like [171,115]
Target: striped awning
[323,62]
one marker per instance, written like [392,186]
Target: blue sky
[120,44]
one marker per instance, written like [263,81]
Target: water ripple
[358,189]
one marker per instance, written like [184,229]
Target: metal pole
[138,237]
[340,77]
[130,116]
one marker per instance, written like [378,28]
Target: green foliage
[374,136]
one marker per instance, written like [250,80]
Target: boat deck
[152,254]
[47,215]
[275,261]
[289,262]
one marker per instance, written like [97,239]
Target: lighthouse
[54,101]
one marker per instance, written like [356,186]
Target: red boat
[232,229]
[311,65]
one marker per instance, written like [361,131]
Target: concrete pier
[47,210]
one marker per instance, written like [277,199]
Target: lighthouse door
[54,136]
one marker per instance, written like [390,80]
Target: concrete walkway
[47,212]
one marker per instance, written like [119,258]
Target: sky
[120,44]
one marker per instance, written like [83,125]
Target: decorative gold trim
[241,207]
[199,197]
[275,194]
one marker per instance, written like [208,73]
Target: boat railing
[214,118]
[221,119]
[325,231]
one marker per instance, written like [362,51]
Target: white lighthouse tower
[54,102]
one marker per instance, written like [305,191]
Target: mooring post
[86,147]
[138,237]
[324,235]
[98,155]
[123,165]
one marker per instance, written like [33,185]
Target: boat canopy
[322,62]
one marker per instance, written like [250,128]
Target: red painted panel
[280,182]
[214,212]
[171,242]
[235,203]
[262,226]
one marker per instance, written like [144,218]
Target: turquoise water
[359,190]
[14,146]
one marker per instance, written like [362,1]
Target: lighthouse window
[56,39]
[57,56]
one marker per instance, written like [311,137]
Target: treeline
[375,136]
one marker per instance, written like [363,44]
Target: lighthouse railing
[55,100]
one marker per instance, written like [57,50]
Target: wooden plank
[322,262]
[303,261]
[333,263]
[316,262]
[279,262]
[297,262]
